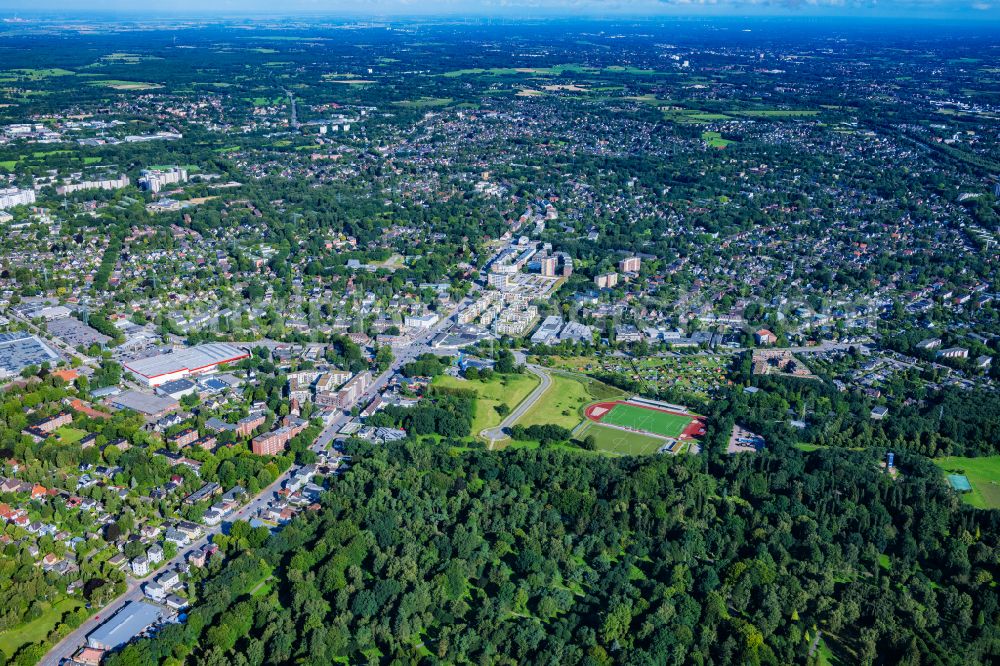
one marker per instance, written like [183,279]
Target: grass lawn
[983,474]
[69,435]
[45,153]
[601,391]
[496,71]
[576,363]
[825,657]
[263,588]
[191,168]
[707,116]
[621,442]
[36,630]
[565,446]
[809,448]
[620,69]
[563,402]
[834,650]
[425,102]
[555,70]
[37,74]
[117,84]
[778,113]
[649,420]
[714,140]
[510,389]
[692,116]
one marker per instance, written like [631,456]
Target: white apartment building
[102,184]
[155,180]
[12,196]
[421,321]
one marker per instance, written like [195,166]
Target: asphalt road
[420,344]
[69,645]
[403,355]
[496,434]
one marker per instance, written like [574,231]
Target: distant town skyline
[958,9]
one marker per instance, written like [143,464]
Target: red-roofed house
[765,337]
[66,375]
[85,409]
[89,656]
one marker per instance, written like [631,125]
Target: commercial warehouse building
[548,332]
[134,618]
[182,363]
[150,406]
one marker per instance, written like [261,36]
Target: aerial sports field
[645,418]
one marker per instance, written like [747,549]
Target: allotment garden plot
[698,375]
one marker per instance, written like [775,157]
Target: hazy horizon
[966,10]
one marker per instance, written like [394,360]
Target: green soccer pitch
[647,420]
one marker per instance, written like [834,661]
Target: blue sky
[968,9]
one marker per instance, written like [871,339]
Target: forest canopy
[426,555]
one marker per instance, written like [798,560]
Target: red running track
[693,430]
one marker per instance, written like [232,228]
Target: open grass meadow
[425,102]
[576,363]
[714,140]
[620,442]
[984,475]
[510,389]
[116,84]
[30,74]
[32,632]
[562,404]
[69,435]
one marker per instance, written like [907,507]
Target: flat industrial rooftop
[191,359]
[18,350]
